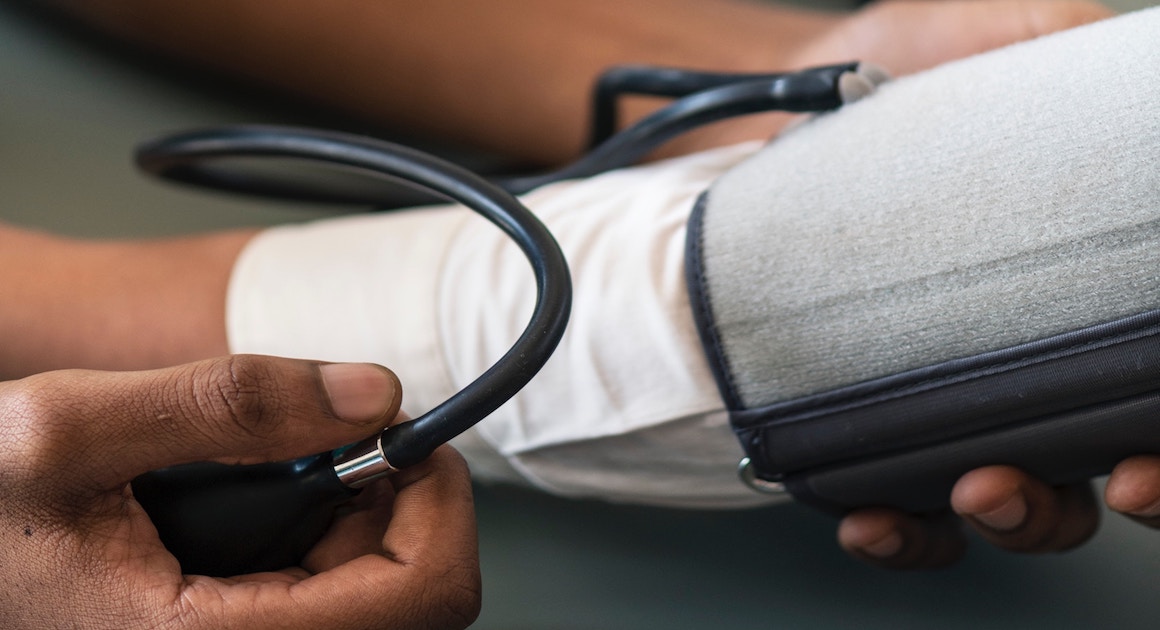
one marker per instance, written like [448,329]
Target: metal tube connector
[363,463]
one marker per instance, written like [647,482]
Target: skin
[403,556]
[513,76]
[535,110]
[112,304]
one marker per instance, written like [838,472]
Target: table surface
[70,115]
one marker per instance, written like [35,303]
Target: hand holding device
[225,520]
[79,549]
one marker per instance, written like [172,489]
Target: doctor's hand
[76,550]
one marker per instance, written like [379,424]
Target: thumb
[109,427]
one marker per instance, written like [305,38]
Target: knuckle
[238,393]
[37,420]
[43,419]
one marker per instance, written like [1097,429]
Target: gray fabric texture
[990,202]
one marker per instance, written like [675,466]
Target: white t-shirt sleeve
[626,409]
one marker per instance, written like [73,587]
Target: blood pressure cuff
[961,270]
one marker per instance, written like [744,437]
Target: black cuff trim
[700,301]
[956,399]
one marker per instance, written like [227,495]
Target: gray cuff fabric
[951,221]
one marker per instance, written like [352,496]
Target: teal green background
[70,115]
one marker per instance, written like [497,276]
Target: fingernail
[359,392]
[1148,511]
[884,547]
[1006,517]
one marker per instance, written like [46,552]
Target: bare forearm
[111,305]
[508,75]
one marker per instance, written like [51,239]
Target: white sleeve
[626,409]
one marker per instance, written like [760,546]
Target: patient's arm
[1006,189]
[117,305]
[514,75]
[111,304]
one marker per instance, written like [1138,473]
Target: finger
[358,526]
[1014,511]
[892,539]
[1134,489]
[441,484]
[427,565]
[112,426]
[357,530]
